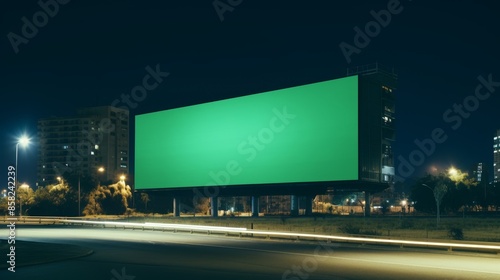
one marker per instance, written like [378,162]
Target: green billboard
[301,134]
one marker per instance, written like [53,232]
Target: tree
[446,191]
[111,200]
[439,190]
[202,205]
[4,205]
[462,194]
[428,193]
[145,199]
[54,200]
[24,195]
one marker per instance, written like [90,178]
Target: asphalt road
[135,255]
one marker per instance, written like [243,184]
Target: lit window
[96,147]
[92,153]
[123,165]
[65,147]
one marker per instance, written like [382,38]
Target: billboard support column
[367,204]
[177,207]
[309,205]
[255,206]
[214,203]
[294,205]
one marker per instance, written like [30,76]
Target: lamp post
[403,205]
[79,198]
[100,170]
[23,186]
[122,180]
[23,141]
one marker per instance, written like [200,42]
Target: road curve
[136,255]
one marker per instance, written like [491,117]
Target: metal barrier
[450,246]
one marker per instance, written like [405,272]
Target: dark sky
[91,52]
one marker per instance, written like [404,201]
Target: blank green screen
[302,134]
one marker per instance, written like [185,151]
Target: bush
[349,229]
[371,232]
[283,219]
[406,224]
[456,233]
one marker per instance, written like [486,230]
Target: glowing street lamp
[452,171]
[122,178]
[100,170]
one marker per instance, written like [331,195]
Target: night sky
[91,52]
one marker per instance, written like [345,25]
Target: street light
[23,186]
[439,191]
[23,141]
[100,170]
[452,171]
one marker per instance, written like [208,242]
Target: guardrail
[30,219]
[450,246]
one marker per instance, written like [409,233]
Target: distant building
[479,173]
[81,144]
[496,157]
[377,133]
